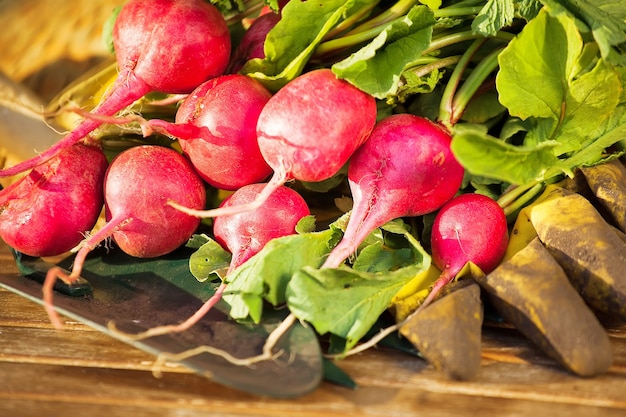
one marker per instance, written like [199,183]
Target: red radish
[405,168]
[171,46]
[245,234]
[252,43]
[137,186]
[48,211]
[307,131]
[469,228]
[216,128]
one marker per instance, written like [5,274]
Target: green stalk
[510,210]
[455,11]
[351,20]
[447,99]
[426,65]
[392,13]
[473,82]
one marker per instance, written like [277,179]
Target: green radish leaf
[265,275]
[376,68]
[487,156]
[534,75]
[495,15]
[209,260]
[605,19]
[290,44]
[359,295]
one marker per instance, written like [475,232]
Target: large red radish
[51,209]
[404,169]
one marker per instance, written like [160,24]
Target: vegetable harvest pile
[351,162]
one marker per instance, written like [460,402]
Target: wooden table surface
[80,371]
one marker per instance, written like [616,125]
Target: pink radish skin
[404,169]
[244,235]
[171,46]
[137,186]
[469,228]
[307,131]
[216,128]
[48,212]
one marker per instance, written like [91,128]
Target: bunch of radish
[234,135]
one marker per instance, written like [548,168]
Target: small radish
[216,128]
[171,46]
[307,131]
[244,235]
[137,186]
[405,168]
[48,211]
[252,43]
[468,228]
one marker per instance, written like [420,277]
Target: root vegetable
[468,228]
[216,128]
[405,168]
[49,211]
[137,186]
[151,59]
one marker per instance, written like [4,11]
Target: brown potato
[448,331]
[590,252]
[532,292]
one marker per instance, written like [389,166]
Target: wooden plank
[118,392]
[82,371]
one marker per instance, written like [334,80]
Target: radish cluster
[150,59]
[236,135]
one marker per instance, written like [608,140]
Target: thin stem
[476,78]
[350,20]
[431,64]
[392,13]
[447,99]
[523,199]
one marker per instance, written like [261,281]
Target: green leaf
[590,101]
[495,15]
[487,156]
[605,19]
[376,68]
[265,275]
[346,302]
[209,259]
[343,301]
[290,44]
[534,74]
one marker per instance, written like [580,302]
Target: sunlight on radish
[150,59]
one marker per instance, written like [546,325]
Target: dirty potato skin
[448,331]
[532,292]
[588,249]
